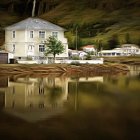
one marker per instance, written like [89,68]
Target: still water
[71,108]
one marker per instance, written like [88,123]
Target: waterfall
[33,10]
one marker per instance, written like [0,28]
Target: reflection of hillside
[122,84]
[31,98]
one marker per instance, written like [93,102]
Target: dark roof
[34,24]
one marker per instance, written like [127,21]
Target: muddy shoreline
[61,69]
[123,60]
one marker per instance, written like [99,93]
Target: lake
[71,108]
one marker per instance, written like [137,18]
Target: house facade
[130,49]
[26,38]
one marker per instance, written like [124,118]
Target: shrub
[29,58]
[75,58]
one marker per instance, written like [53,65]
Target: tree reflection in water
[55,93]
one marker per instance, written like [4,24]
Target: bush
[88,57]
[75,63]
[29,58]
[75,58]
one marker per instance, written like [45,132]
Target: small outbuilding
[89,48]
[5,57]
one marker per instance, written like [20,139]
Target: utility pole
[76,39]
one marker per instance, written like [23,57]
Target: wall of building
[22,42]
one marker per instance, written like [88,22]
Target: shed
[89,48]
[5,57]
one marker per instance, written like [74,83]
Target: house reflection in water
[34,99]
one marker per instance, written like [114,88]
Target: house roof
[34,24]
[89,46]
[33,115]
[129,46]
[111,51]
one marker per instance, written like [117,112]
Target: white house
[26,38]
[89,48]
[130,49]
[124,50]
[114,52]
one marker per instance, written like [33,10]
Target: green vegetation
[53,46]
[97,22]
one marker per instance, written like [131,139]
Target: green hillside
[103,22]
[98,23]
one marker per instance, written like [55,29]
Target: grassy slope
[72,13]
[124,20]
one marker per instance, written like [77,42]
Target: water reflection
[101,107]
[35,99]
[134,70]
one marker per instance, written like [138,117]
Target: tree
[127,38]
[53,46]
[99,45]
[113,41]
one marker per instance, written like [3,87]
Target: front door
[30,50]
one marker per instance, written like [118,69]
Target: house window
[41,34]
[41,48]
[31,34]
[41,90]
[14,34]
[14,46]
[41,105]
[55,34]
